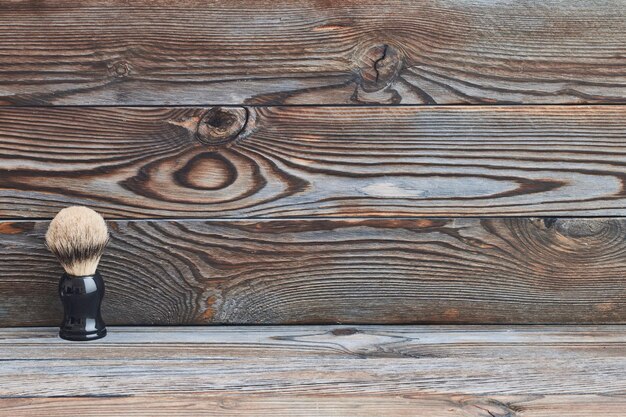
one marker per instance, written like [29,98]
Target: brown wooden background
[279,162]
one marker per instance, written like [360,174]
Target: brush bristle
[77,236]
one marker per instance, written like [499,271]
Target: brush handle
[81,298]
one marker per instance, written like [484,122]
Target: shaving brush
[77,237]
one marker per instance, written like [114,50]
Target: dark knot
[222,125]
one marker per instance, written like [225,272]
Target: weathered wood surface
[315,52]
[320,405]
[464,270]
[330,161]
[459,371]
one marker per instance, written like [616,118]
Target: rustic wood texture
[284,162]
[320,405]
[464,371]
[567,270]
[315,52]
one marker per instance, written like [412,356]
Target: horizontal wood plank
[559,270]
[345,405]
[284,162]
[467,369]
[313,52]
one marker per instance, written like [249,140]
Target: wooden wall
[441,161]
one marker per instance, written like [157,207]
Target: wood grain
[464,367]
[559,270]
[114,52]
[345,405]
[285,162]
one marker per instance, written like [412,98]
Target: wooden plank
[346,405]
[466,366]
[314,52]
[567,270]
[308,161]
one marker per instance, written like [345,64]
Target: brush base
[81,298]
[82,337]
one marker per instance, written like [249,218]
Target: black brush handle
[81,298]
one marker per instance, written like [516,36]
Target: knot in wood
[583,228]
[119,69]
[344,331]
[221,125]
[486,407]
[586,229]
[378,67]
